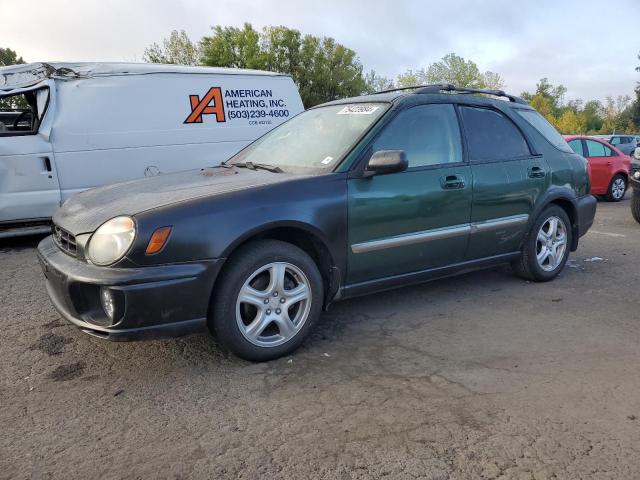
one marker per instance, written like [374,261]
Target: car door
[417,219]
[507,181]
[599,158]
[29,186]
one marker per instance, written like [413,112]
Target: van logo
[211,104]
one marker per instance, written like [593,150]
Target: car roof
[27,74]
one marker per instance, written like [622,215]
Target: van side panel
[117,128]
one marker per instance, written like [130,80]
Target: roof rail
[452,88]
[447,87]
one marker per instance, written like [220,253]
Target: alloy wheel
[273,304]
[618,188]
[551,244]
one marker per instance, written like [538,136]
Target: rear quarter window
[541,124]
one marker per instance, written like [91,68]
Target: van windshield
[313,142]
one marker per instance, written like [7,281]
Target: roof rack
[447,87]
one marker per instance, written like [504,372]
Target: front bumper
[151,302]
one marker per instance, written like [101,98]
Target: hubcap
[551,244]
[273,304]
[617,189]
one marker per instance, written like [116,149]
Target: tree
[454,70]
[177,49]
[233,48]
[571,122]
[10,57]
[322,69]
[376,83]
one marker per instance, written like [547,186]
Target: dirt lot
[478,376]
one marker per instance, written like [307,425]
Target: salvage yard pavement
[479,376]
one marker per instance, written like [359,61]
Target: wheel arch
[307,238]
[565,199]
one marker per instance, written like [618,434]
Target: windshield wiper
[256,166]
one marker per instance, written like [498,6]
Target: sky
[589,46]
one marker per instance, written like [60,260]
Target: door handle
[47,163]
[452,182]
[536,172]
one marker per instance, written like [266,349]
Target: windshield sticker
[358,110]
[327,160]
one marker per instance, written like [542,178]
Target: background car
[625,143]
[609,167]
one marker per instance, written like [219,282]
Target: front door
[28,179]
[417,219]
[507,181]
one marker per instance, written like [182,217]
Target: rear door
[417,219]
[507,181]
[599,158]
[29,188]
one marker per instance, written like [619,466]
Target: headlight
[111,240]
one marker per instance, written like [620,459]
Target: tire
[528,265]
[252,314]
[617,188]
[635,207]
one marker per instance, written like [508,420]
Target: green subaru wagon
[348,198]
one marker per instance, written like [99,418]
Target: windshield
[313,142]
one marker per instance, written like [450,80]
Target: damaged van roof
[25,75]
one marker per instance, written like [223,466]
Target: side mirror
[386,161]
[636,153]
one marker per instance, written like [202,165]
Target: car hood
[86,211]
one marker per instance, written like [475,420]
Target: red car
[608,166]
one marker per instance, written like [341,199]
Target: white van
[68,127]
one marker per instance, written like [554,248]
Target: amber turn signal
[158,239]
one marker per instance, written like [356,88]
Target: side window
[492,136]
[595,149]
[615,141]
[608,152]
[428,134]
[22,113]
[576,146]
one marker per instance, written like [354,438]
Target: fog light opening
[108,302]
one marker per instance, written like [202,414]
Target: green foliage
[10,57]
[323,69]
[177,49]
[574,117]
[452,69]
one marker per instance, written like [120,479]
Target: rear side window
[428,134]
[597,149]
[616,141]
[541,124]
[492,136]
[576,146]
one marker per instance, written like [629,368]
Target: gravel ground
[478,376]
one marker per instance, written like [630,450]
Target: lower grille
[65,241]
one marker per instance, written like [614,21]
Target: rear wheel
[635,207]
[617,188]
[267,299]
[546,248]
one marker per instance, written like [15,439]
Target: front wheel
[268,297]
[617,188]
[635,207]
[546,248]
